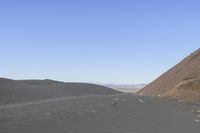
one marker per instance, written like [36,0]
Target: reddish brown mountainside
[182,81]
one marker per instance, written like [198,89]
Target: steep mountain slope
[12,91]
[181,81]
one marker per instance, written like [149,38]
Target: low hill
[180,82]
[12,91]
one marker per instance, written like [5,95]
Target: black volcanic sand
[119,113]
[15,91]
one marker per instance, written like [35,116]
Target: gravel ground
[120,113]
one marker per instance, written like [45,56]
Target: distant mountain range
[126,88]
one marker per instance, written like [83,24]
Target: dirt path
[51,100]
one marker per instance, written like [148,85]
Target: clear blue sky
[110,41]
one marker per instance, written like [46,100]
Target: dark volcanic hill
[181,82]
[13,91]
